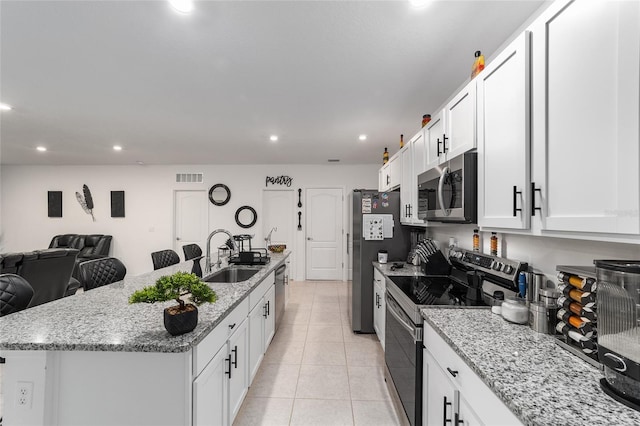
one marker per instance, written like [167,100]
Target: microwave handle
[441,189]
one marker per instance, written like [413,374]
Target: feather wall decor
[86,201]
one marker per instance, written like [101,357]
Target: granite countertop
[539,381]
[407,269]
[102,319]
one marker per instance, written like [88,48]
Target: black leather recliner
[91,247]
[15,293]
[47,271]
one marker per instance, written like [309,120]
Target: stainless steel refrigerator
[363,204]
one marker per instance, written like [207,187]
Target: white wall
[542,253]
[149,191]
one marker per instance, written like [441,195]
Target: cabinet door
[270,320]
[238,383]
[503,139]
[406,183]
[586,62]
[461,122]
[210,392]
[381,184]
[418,145]
[464,415]
[434,133]
[395,172]
[256,339]
[437,395]
[385,177]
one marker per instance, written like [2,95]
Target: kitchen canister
[383,256]
[538,317]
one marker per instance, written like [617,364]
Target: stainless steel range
[470,280]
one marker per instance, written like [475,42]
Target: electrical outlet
[24,397]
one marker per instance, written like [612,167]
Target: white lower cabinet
[261,324]
[453,393]
[220,388]
[379,305]
[210,392]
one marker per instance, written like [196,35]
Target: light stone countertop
[102,319]
[407,270]
[539,381]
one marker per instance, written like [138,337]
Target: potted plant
[183,317]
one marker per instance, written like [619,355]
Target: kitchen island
[93,358]
[539,382]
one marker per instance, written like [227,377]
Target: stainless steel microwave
[448,193]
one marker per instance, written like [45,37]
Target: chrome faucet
[267,239]
[234,246]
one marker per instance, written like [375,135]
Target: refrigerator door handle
[347,243]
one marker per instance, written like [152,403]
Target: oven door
[403,357]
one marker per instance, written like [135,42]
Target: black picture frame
[117,203]
[54,203]
[218,202]
[253,221]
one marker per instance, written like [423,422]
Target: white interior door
[191,219]
[324,216]
[278,207]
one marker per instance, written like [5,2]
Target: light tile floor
[317,371]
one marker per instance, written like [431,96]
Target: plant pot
[178,322]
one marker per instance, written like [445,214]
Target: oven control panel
[500,267]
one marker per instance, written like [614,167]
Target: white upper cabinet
[460,122]
[504,138]
[390,174]
[412,156]
[586,100]
[434,131]
[452,130]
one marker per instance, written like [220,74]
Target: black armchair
[15,293]
[164,258]
[99,272]
[193,252]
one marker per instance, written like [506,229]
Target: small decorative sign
[279,180]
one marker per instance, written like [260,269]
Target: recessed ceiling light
[273,138]
[117,148]
[362,137]
[5,107]
[140,163]
[182,6]
[419,4]
[41,148]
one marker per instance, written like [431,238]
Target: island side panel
[102,388]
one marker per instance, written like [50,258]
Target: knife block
[436,264]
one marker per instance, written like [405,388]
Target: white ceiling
[210,87]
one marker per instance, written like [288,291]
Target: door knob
[177,238]
[309,239]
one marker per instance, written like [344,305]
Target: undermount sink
[231,275]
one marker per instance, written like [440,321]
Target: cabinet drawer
[490,409]
[212,343]
[260,290]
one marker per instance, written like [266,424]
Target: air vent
[333,160]
[189,177]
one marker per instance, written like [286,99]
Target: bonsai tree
[174,286]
